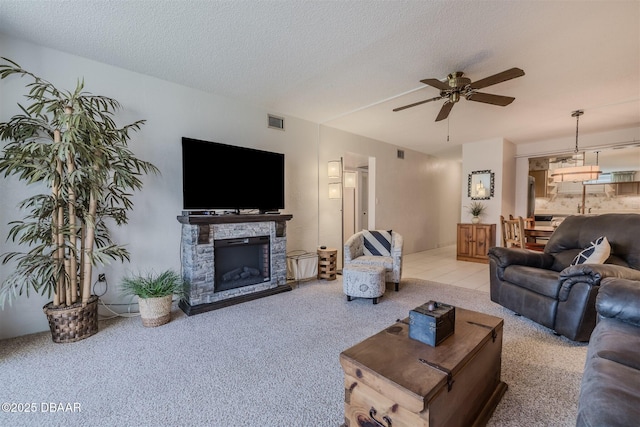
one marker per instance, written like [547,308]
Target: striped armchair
[376,247]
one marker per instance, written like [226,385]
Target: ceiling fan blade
[444,111]
[436,83]
[417,103]
[497,78]
[488,98]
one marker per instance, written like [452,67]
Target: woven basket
[155,311]
[74,323]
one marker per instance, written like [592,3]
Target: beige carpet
[268,362]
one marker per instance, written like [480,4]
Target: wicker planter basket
[155,311]
[74,323]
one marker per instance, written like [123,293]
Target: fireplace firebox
[241,262]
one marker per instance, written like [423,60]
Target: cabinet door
[465,240]
[482,239]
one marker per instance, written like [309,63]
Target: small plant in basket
[155,295]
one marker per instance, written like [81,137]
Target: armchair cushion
[382,261]
[543,282]
[377,242]
[596,253]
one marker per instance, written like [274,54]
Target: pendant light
[576,173]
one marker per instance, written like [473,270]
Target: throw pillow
[596,253]
[377,242]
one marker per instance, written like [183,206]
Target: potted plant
[68,144]
[476,209]
[155,294]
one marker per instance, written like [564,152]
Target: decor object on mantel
[476,209]
[576,173]
[155,294]
[67,141]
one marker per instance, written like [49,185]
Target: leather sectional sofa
[610,389]
[546,288]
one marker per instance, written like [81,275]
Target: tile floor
[440,265]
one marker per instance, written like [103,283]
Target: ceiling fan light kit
[457,85]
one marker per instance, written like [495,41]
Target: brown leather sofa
[546,288]
[610,389]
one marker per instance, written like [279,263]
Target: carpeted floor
[268,362]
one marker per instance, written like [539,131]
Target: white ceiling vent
[275,122]
[401,154]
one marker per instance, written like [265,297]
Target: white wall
[496,155]
[414,195]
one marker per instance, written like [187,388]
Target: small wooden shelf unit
[327,262]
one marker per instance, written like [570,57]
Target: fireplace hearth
[229,259]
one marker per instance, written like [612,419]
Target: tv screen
[220,176]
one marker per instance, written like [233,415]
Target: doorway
[356,212]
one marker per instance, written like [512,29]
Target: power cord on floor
[107,306]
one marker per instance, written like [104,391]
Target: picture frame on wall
[480,185]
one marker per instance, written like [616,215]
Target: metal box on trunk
[432,322]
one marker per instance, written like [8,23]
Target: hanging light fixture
[576,173]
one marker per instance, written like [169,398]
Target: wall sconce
[333,168]
[349,179]
[334,190]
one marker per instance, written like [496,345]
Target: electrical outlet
[102,277]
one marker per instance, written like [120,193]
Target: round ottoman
[363,281]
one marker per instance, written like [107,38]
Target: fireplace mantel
[199,232]
[232,218]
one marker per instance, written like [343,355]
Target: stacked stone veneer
[198,267]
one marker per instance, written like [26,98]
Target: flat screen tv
[218,176]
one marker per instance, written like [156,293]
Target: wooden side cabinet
[474,241]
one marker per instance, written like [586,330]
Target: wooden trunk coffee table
[392,380]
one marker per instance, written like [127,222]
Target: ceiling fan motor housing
[457,81]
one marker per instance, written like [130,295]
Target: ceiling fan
[457,86]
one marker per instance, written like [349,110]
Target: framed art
[480,186]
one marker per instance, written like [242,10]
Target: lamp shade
[333,169]
[576,174]
[334,190]
[349,179]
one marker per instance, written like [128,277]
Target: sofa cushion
[608,394]
[616,341]
[538,280]
[596,253]
[377,242]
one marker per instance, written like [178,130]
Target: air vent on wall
[401,154]
[275,122]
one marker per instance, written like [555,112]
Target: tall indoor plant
[69,144]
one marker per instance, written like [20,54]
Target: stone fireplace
[229,259]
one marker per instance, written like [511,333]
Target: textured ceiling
[347,64]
